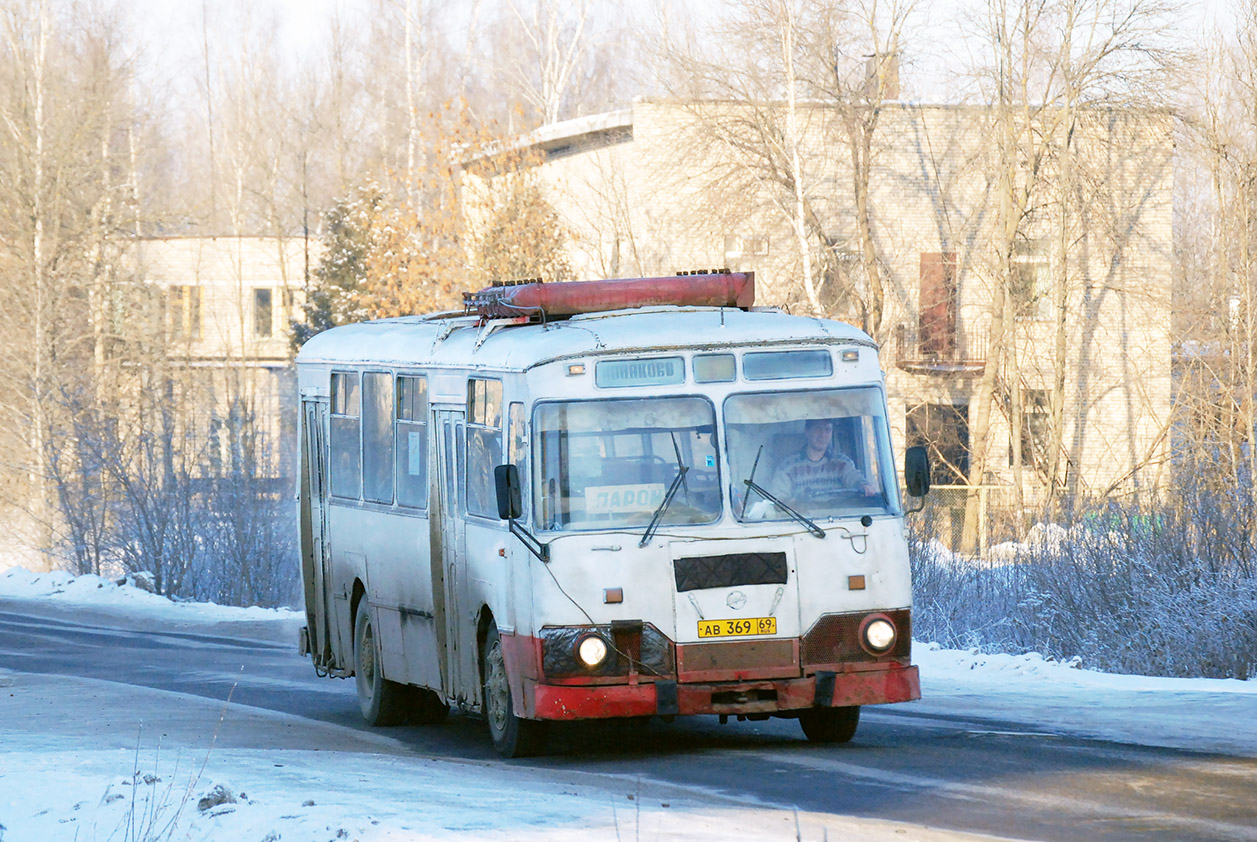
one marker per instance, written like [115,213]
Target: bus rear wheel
[512,736]
[381,701]
[830,725]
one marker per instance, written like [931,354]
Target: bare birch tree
[553,49]
[64,93]
[1217,403]
[1053,63]
[781,87]
[864,43]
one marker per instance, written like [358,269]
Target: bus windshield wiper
[767,495]
[682,470]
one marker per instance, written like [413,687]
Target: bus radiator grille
[729,571]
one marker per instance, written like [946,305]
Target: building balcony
[948,353]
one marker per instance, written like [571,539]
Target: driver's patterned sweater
[800,478]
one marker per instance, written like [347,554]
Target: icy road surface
[114,724]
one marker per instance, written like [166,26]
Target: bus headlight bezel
[878,635]
[591,651]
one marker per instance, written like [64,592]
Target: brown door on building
[936,321]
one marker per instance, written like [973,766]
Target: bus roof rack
[547,301]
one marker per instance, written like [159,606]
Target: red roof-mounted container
[570,298]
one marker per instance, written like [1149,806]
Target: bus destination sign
[648,371]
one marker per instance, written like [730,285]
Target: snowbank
[61,587]
[1199,714]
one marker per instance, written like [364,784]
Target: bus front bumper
[893,683]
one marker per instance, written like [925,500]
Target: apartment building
[224,305]
[667,186]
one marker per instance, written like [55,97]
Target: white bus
[537,514]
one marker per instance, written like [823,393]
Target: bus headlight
[592,650]
[878,635]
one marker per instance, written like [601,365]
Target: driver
[818,470]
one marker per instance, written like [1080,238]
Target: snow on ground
[378,798]
[89,782]
[1198,714]
[64,587]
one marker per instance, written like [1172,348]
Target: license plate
[737,628]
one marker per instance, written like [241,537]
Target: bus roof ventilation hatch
[533,300]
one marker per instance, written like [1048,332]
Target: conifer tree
[339,281]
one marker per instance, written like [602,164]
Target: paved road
[973,773]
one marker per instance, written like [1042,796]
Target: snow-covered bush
[1126,589]
[173,485]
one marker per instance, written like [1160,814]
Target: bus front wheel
[381,701]
[512,736]
[830,725]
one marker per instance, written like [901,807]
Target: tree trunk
[796,166]
[39,418]
[1060,287]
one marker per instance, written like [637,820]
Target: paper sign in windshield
[614,499]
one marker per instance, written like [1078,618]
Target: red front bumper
[885,683]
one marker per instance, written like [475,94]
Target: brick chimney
[888,63]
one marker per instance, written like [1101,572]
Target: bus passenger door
[458,646]
[313,496]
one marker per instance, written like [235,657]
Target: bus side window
[344,439]
[517,450]
[412,441]
[377,437]
[484,444]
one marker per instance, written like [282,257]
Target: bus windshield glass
[609,463]
[823,454]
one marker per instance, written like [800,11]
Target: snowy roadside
[94,599]
[1194,714]
[73,767]
[137,787]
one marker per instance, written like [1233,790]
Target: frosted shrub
[206,508]
[1147,591]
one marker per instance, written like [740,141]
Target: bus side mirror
[916,471]
[506,482]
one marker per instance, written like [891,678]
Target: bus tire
[512,736]
[427,708]
[830,725]
[381,701]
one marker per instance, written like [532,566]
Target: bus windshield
[823,453]
[609,463]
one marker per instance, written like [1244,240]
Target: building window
[751,245]
[842,288]
[263,312]
[1036,428]
[484,444]
[345,436]
[943,429]
[1030,281]
[183,312]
